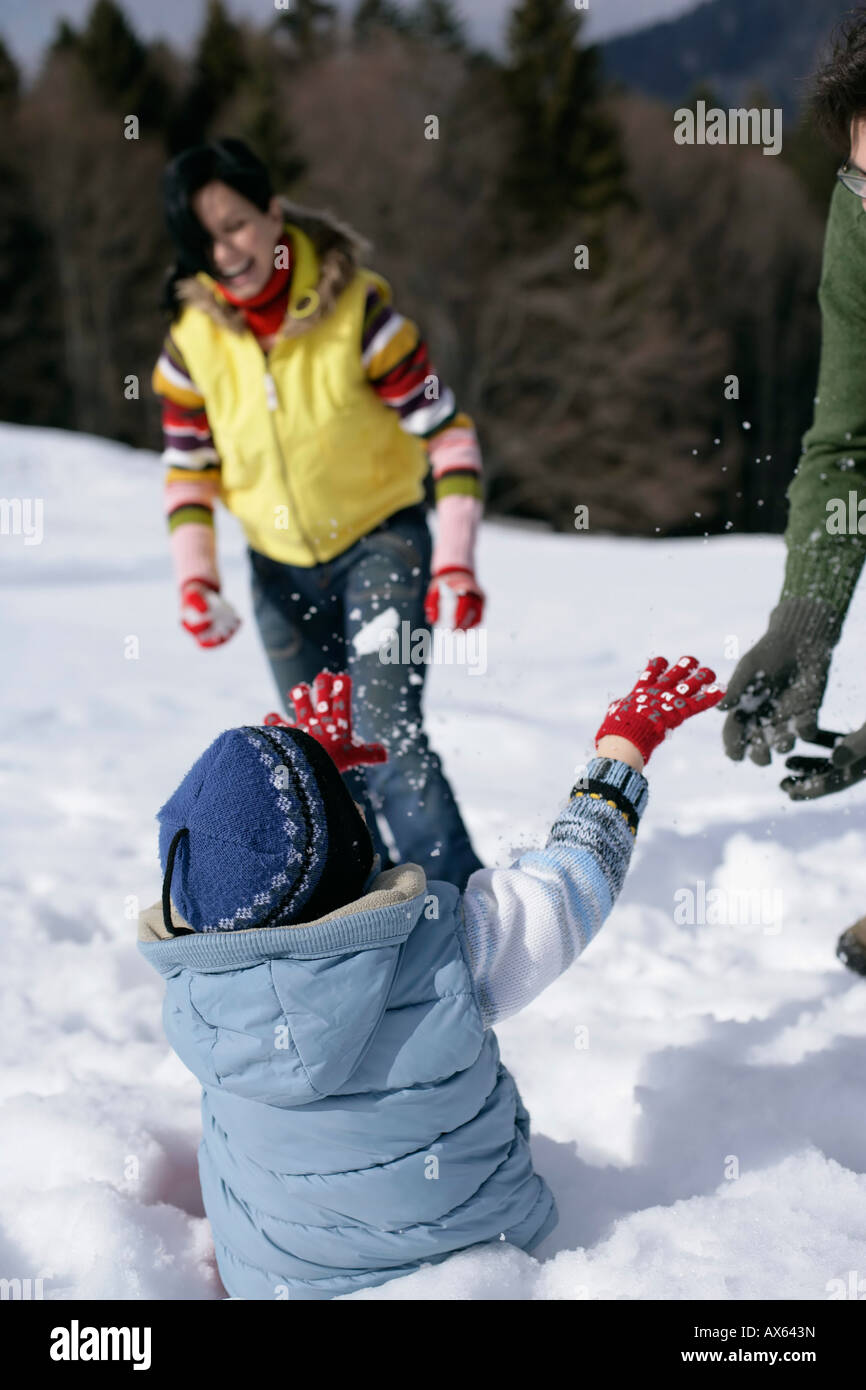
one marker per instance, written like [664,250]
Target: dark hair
[229,161]
[838,89]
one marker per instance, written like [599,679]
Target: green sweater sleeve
[821,564]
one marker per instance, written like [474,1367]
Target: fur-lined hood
[326,254]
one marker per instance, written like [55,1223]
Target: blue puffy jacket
[357,1119]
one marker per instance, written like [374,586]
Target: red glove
[326,714]
[206,614]
[663,697]
[454,597]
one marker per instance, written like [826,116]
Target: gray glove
[813,777]
[776,691]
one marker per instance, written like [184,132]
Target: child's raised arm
[525,925]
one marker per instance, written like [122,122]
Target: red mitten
[454,598]
[662,698]
[325,713]
[206,614]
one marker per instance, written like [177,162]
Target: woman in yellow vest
[294,393]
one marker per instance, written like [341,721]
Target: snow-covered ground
[697,1087]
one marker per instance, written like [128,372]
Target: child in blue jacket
[357,1120]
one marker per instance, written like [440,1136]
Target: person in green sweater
[776,691]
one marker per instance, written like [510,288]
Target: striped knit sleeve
[192,477]
[523,926]
[399,369]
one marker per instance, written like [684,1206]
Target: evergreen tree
[566,154]
[437,21]
[117,64]
[10,82]
[219,67]
[220,61]
[311,25]
[96,195]
[32,377]
[808,153]
[705,92]
[110,51]
[260,112]
[65,38]
[373,15]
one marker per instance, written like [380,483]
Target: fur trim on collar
[339,249]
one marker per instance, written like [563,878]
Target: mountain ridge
[734,48]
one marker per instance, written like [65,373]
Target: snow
[696,1082]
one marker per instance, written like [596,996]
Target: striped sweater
[397,364]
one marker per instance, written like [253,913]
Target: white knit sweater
[524,925]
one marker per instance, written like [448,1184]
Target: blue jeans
[308,618]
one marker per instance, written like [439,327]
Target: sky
[26,28]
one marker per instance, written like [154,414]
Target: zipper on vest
[273,401]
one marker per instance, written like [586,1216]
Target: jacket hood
[326,254]
[284,1014]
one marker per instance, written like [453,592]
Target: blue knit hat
[261,831]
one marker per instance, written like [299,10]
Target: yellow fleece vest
[311,458]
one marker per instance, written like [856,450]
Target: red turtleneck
[265,311]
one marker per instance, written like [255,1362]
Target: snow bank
[696,1081]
